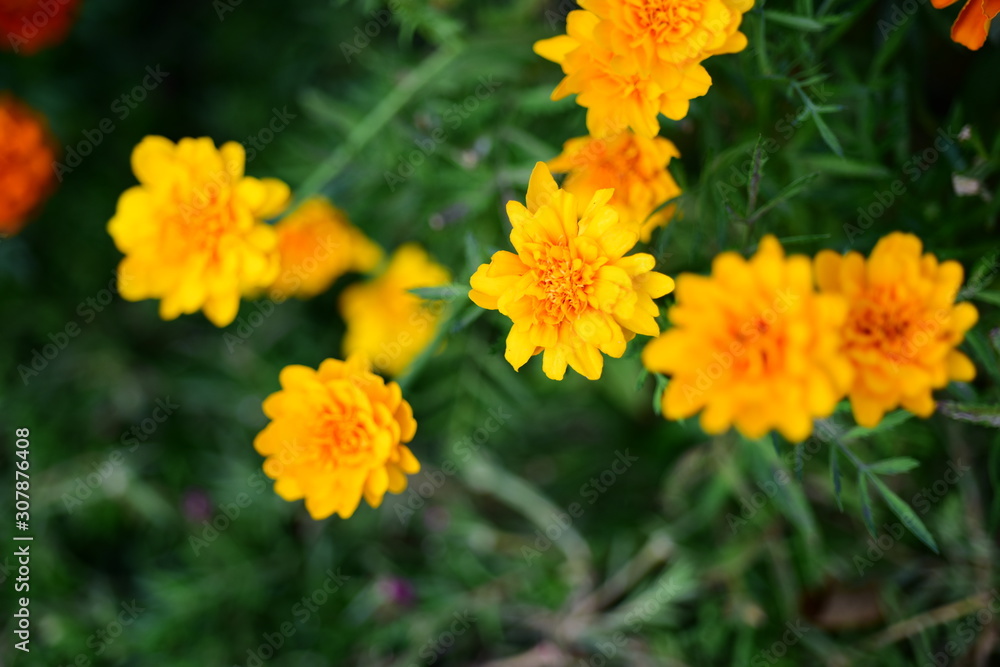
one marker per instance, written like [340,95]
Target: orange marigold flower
[385,320]
[973,23]
[192,232]
[569,289]
[902,325]
[635,166]
[318,244]
[619,90]
[26,157]
[753,345]
[27,26]
[337,434]
[674,31]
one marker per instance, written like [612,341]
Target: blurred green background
[572,525]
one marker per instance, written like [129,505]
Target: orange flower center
[668,20]
[562,281]
[883,322]
[345,436]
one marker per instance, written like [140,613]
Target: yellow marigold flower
[337,434]
[902,326]
[192,232]
[317,245]
[676,31]
[753,345]
[636,167]
[569,290]
[388,322]
[619,90]
[26,158]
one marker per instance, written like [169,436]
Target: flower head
[972,26]
[388,322]
[619,90]
[902,324]
[634,166]
[629,60]
[569,289]
[337,434]
[753,345]
[676,31]
[26,157]
[318,244]
[192,231]
[28,26]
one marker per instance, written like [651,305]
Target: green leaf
[890,421]
[799,464]
[661,386]
[828,136]
[984,415]
[802,23]
[835,474]
[893,466]
[442,293]
[789,191]
[984,352]
[866,502]
[906,515]
[992,298]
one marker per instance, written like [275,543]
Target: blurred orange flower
[569,289]
[27,26]
[902,325]
[753,345]
[318,244]
[386,321]
[636,167]
[26,158]
[337,435]
[973,23]
[192,231]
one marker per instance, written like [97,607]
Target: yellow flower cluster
[195,235]
[630,60]
[774,341]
